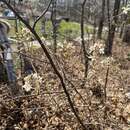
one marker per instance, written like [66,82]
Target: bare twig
[83,41]
[105,92]
[105,86]
[43,13]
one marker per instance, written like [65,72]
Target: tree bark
[123,19]
[82,40]
[112,28]
[53,20]
[101,22]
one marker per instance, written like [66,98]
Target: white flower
[128,95]
[126,10]
[101,50]
[91,49]
[27,87]
[97,47]
[27,78]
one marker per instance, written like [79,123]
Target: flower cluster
[97,48]
[32,82]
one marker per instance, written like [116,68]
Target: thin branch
[43,13]
[105,86]
[105,93]
[83,41]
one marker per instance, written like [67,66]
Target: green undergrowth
[66,29]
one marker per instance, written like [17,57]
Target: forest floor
[101,100]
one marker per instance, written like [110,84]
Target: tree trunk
[82,40]
[124,18]
[112,28]
[126,37]
[3,74]
[53,20]
[101,22]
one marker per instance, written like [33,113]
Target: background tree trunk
[126,37]
[53,19]
[3,74]
[112,28]
[123,18]
[101,22]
